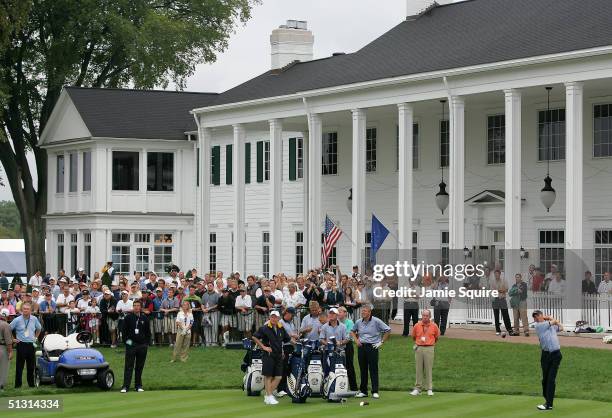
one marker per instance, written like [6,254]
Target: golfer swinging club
[547,328]
[270,338]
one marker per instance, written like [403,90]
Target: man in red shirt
[425,335]
[538,281]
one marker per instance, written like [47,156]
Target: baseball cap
[125,292]
[80,269]
[62,280]
[333,310]
[275,313]
[3,290]
[85,292]
[5,312]
[108,292]
[159,289]
[291,310]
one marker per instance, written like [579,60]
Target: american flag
[332,235]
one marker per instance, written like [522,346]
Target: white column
[456,216]
[404,198]
[315,135]
[359,185]
[305,205]
[205,138]
[238,179]
[574,220]
[276,142]
[513,184]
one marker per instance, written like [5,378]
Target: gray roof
[451,36]
[126,113]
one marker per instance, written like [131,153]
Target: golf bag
[335,383]
[253,382]
[297,380]
[314,373]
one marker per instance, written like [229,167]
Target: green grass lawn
[462,366]
[232,403]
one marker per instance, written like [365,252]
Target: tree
[47,44]
[9,220]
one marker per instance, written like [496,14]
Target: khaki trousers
[181,346]
[4,364]
[424,359]
[520,312]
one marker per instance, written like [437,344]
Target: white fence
[596,309]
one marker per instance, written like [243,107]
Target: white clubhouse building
[281,151]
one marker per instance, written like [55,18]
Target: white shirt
[35,281]
[604,287]
[244,301]
[183,320]
[63,299]
[556,287]
[291,301]
[83,304]
[124,306]
[92,310]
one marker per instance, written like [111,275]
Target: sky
[337,25]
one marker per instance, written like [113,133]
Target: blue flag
[379,235]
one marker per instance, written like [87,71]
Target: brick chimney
[291,42]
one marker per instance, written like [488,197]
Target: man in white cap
[270,338]
[6,347]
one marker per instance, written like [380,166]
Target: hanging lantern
[442,197]
[548,194]
[349,201]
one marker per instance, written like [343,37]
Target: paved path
[465,333]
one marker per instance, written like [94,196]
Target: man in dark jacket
[137,334]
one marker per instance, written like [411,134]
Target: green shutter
[247,162]
[292,159]
[216,165]
[260,161]
[228,164]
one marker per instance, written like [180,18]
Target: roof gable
[65,122]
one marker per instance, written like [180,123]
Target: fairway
[233,403]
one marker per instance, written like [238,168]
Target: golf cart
[68,360]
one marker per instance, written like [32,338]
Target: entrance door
[143,259]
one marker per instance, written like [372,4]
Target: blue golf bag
[253,381]
[297,380]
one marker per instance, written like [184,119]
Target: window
[120,256]
[415,146]
[330,153]
[162,238]
[496,139]
[59,175]
[415,241]
[368,251]
[120,237]
[87,252]
[444,252]
[296,158]
[160,171]
[86,171]
[444,143]
[551,245]
[370,150]
[215,165]
[602,130]
[143,255]
[212,255]
[143,238]
[125,170]
[263,161]
[60,251]
[266,160]
[73,253]
[73,175]
[299,252]
[603,253]
[551,135]
[266,254]
[162,257]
